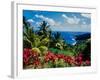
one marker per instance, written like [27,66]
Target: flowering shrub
[45,48]
[51,60]
[79,60]
[30,57]
[26,56]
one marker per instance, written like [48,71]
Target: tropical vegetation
[43,49]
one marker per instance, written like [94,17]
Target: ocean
[69,37]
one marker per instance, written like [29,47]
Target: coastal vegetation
[44,49]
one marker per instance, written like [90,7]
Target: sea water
[69,37]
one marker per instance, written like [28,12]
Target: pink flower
[60,56]
[79,59]
[26,55]
[36,63]
[69,59]
[87,62]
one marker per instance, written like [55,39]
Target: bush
[43,50]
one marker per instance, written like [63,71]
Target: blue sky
[60,21]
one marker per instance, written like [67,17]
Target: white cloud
[70,24]
[78,28]
[30,20]
[38,23]
[71,20]
[83,22]
[51,21]
[87,15]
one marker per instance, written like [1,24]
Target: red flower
[69,59]
[79,59]
[87,62]
[26,55]
[46,59]
[36,63]
[29,56]
[60,56]
[50,57]
[34,53]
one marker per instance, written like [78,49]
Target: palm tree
[26,31]
[45,30]
[45,33]
[57,41]
[30,39]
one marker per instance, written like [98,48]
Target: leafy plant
[45,49]
[44,31]
[57,41]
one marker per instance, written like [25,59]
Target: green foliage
[57,41]
[65,52]
[78,48]
[42,41]
[87,51]
[36,50]
[43,50]
[45,42]
[59,63]
[31,39]
[44,31]
[56,64]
